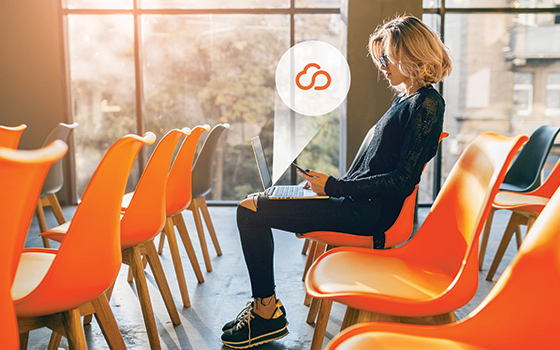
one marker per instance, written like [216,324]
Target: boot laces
[245,317]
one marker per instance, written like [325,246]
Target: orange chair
[21,178]
[436,272]
[397,234]
[525,208]
[178,197]
[10,135]
[143,218]
[202,183]
[53,287]
[520,312]
[53,182]
[202,179]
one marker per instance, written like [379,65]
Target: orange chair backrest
[89,259]
[448,237]
[402,228]
[145,215]
[521,311]
[550,185]
[21,179]
[10,135]
[179,182]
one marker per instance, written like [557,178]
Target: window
[154,65]
[553,94]
[502,52]
[523,93]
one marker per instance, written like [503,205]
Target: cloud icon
[317,73]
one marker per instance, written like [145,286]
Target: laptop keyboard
[287,191]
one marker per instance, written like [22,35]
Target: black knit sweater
[405,139]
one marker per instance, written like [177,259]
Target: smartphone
[300,169]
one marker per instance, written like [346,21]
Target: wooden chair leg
[161,280]
[130,276]
[54,342]
[485,236]
[313,310]
[23,340]
[107,323]
[42,223]
[57,209]
[132,256]
[305,246]
[319,250]
[74,331]
[310,256]
[321,324]
[514,220]
[350,317]
[201,201]
[200,230]
[161,242]
[518,237]
[187,243]
[177,264]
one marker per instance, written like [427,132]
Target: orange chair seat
[403,285]
[58,233]
[381,340]
[519,201]
[32,268]
[381,335]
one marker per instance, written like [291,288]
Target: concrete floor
[226,290]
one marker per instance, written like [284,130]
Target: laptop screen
[261,162]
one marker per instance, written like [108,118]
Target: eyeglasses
[383,60]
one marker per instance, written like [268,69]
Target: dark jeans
[298,216]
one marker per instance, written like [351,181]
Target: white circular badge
[313,78]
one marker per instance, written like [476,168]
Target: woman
[367,200]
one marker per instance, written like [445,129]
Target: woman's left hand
[315,181]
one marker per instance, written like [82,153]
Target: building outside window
[523,93]
[553,94]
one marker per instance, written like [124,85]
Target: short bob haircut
[413,47]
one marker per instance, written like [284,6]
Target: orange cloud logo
[319,72]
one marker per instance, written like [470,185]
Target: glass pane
[501,3]
[100,4]
[318,3]
[430,4]
[553,78]
[209,69]
[521,100]
[553,94]
[492,52]
[102,70]
[553,100]
[322,152]
[523,78]
[214,4]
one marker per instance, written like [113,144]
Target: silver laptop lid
[261,162]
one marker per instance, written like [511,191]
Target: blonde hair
[413,47]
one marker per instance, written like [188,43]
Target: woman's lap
[307,215]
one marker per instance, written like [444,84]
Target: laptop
[277,192]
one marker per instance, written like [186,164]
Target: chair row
[436,272]
[124,234]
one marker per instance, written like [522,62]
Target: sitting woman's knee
[250,202]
